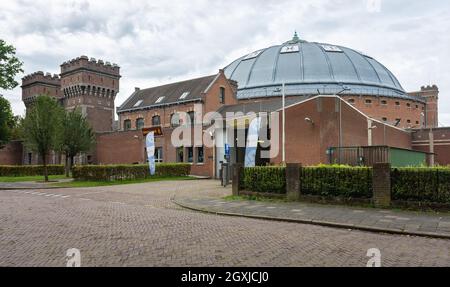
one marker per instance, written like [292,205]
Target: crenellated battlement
[84,62]
[40,77]
[429,88]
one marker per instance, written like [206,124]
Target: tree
[42,128]
[77,136]
[7,121]
[10,66]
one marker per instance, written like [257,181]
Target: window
[175,120]
[408,121]
[290,49]
[138,103]
[156,121]
[253,55]
[200,155]
[159,100]
[158,154]
[351,101]
[397,103]
[139,123]
[384,102]
[368,102]
[408,105]
[222,95]
[417,122]
[384,119]
[127,125]
[191,116]
[190,154]
[417,106]
[184,95]
[180,154]
[331,48]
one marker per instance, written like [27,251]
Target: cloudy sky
[161,41]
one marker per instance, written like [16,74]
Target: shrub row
[264,179]
[127,172]
[421,184]
[337,181]
[30,170]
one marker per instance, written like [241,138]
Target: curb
[32,188]
[318,222]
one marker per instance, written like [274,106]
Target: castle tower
[92,86]
[431,112]
[39,83]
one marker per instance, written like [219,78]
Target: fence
[369,155]
[382,185]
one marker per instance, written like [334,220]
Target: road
[138,225]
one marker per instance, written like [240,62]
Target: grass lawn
[29,178]
[108,183]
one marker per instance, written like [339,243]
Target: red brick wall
[120,148]
[11,153]
[308,144]
[390,111]
[441,142]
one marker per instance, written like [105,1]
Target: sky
[159,41]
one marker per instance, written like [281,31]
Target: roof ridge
[179,82]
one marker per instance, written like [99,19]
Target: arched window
[127,125]
[140,124]
[175,120]
[156,121]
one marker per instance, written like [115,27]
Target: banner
[252,142]
[150,144]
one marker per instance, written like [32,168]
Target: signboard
[252,142]
[157,131]
[150,144]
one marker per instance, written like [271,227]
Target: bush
[30,170]
[337,181]
[127,172]
[264,179]
[421,184]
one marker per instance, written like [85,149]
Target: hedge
[421,184]
[337,181]
[30,170]
[327,181]
[127,172]
[264,179]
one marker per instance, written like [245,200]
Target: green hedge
[264,179]
[337,181]
[127,172]
[30,170]
[421,184]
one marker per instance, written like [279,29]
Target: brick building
[335,97]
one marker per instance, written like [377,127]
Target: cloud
[159,41]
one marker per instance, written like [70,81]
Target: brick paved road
[137,225]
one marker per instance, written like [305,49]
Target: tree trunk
[71,162]
[44,162]
[67,166]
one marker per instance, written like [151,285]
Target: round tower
[37,84]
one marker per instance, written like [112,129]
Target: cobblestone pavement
[138,225]
[433,224]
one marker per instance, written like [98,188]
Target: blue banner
[150,144]
[252,142]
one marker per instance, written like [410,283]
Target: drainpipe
[431,139]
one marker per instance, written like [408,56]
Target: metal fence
[358,156]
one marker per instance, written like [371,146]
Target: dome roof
[311,68]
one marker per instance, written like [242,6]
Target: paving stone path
[139,225]
[408,222]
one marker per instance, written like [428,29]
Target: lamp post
[344,89]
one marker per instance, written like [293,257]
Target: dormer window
[138,103]
[159,100]
[184,95]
